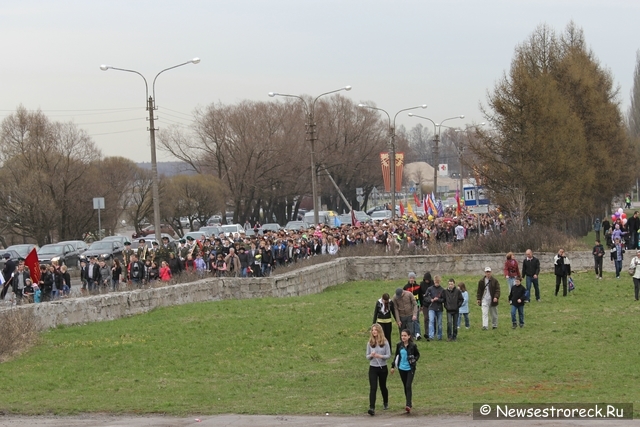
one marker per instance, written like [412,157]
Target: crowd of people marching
[430,299]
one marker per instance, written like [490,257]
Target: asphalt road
[391,419]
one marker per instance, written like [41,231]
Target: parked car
[120,239]
[23,250]
[63,253]
[273,227]
[215,220]
[381,215]
[296,225]
[362,216]
[14,256]
[376,208]
[212,230]
[197,235]
[229,229]
[108,250]
[149,240]
[79,245]
[324,217]
[151,230]
[345,219]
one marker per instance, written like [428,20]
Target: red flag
[424,204]
[354,220]
[401,209]
[458,208]
[32,263]
[415,199]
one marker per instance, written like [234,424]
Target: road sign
[98,203]
[360,199]
[470,196]
[359,191]
[482,209]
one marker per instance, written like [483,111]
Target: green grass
[305,355]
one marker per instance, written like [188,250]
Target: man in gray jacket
[406,310]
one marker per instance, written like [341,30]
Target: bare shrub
[18,331]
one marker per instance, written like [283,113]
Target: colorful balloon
[624,221]
[620,210]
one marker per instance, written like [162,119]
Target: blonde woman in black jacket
[407,355]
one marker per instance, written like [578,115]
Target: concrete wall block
[308,280]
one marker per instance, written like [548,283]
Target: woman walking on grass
[407,355]
[635,265]
[378,352]
[384,314]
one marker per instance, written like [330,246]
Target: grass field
[305,355]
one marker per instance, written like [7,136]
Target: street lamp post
[152,137]
[392,146]
[311,131]
[436,153]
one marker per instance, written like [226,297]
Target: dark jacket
[453,299]
[380,316]
[614,252]
[494,290]
[562,267]
[433,292]
[427,281]
[20,279]
[530,267]
[84,272]
[9,268]
[517,293]
[136,271]
[413,354]
[598,252]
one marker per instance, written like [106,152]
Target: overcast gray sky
[397,54]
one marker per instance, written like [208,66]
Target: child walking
[517,298]
[464,308]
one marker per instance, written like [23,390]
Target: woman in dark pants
[378,352]
[405,360]
[384,314]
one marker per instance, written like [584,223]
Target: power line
[111,133]
[110,121]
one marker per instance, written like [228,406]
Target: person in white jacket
[635,264]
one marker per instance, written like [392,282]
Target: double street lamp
[152,132]
[311,131]
[392,146]
[437,127]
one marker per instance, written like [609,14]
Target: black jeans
[452,324]
[598,262]
[386,328]
[636,286]
[378,375]
[564,285]
[407,380]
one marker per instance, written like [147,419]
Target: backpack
[135,270]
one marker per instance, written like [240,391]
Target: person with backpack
[413,287]
[136,271]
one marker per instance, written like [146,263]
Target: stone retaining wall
[308,280]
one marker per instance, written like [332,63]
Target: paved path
[385,420]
